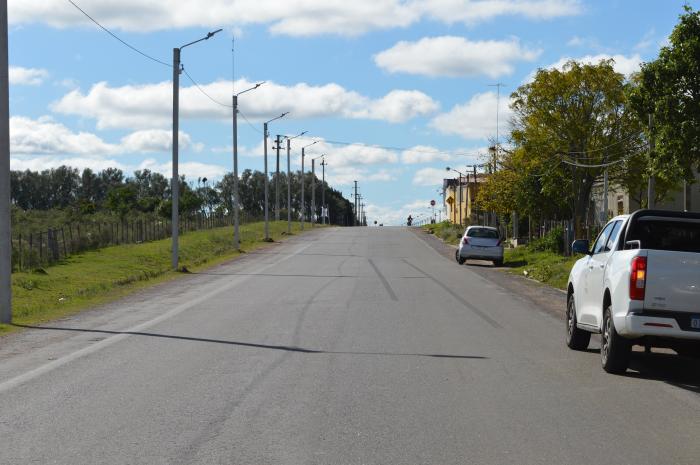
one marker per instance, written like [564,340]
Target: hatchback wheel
[459,258]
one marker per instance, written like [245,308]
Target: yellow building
[460,198]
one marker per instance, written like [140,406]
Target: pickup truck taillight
[638,278]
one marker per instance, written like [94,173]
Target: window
[599,245]
[667,234]
[613,236]
[483,233]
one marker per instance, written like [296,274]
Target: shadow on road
[254,345]
[681,372]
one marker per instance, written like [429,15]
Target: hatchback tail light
[465,241]
[500,241]
[638,278]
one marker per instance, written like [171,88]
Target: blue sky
[404,74]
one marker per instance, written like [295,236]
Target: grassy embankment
[99,276]
[545,266]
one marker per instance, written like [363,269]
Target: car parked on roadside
[638,284]
[480,243]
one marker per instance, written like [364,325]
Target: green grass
[446,231]
[99,276]
[547,267]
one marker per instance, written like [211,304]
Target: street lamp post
[5,221]
[267,180]
[323,192]
[236,200]
[459,183]
[303,205]
[289,181]
[313,190]
[175,183]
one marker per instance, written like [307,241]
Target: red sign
[432,203]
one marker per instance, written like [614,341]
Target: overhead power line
[601,149]
[119,38]
[203,91]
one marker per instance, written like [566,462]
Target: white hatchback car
[480,243]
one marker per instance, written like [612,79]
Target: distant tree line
[148,192]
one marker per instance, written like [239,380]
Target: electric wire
[601,149]
[118,38]
[203,91]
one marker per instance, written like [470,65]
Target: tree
[669,89]
[576,116]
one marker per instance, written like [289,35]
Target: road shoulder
[542,296]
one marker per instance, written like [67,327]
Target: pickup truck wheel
[614,349]
[459,259]
[576,339]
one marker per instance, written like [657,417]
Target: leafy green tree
[669,89]
[577,115]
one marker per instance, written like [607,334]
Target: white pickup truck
[638,284]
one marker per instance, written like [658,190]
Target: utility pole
[323,192]
[236,200]
[355,212]
[267,187]
[313,192]
[605,196]
[289,188]
[175,182]
[303,207]
[277,179]
[5,222]
[651,188]
[236,232]
[303,181]
[267,175]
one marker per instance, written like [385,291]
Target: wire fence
[38,249]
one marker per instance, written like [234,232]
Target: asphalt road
[343,346]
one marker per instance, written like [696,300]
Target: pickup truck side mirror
[580,246]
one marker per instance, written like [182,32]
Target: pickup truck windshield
[680,236]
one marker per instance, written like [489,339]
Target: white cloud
[44,136]
[141,106]
[475,119]
[40,163]
[623,64]
[191,170]
[423,154]
[27,76]
[454,57]
[429,177]
[291,17]
[476,11]
[156,140]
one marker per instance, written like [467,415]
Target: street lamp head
[211,34]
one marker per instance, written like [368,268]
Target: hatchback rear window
[680,236]
[482,232]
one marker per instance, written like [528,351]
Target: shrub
[553,241]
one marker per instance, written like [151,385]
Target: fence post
[20,252]
[41,247]
[63,236]
[31,251]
